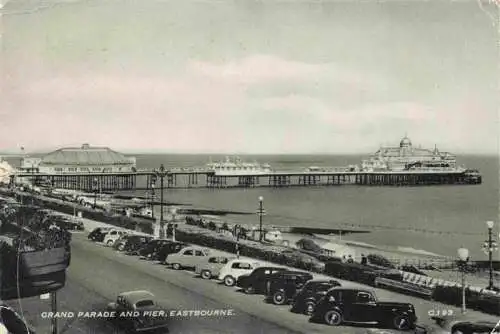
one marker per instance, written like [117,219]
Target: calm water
[439,219]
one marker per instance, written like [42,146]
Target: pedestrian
[350,259]
[364,259]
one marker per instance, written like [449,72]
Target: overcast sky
[248,76]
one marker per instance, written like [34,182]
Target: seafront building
[407,157]
[81,168]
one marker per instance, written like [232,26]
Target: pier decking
[201,178]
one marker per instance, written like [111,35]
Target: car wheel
[333,318]
[279,298]
[110,243]
[176,266]
[249,290]
[309,308]
[229,281]
[206,274]
[402,322]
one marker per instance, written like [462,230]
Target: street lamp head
[261,198]
[152,185]
[463,253]
[490,224]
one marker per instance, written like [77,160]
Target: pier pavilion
[85,168]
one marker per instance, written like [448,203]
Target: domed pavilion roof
[85,155]
[405,142]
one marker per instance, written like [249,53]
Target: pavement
[97,274]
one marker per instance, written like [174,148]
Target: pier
[200,178]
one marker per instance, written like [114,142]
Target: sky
[249,76]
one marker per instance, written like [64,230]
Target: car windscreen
[144,303]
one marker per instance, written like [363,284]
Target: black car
[130,312]
[98,234]
[306,299]
[256,281]
[131,242]
[283,286]
[67,223]
[150,250]
[171,248]
[343,305]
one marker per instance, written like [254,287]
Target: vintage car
[461,324]
[306,298]
[131,242]
[212,266]
[283,286]
[132,309]
[167,249]
[230,273]
[150,249]
[349,305]
[65,222]
[256,281]
[187,257]
[112,236]
[98,233]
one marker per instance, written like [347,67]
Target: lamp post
[95,192]
[463,255]
[261,213]
[237,231]
[161,173]
[489,246]
[153,181]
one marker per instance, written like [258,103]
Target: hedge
[258,251]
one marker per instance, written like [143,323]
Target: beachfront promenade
[98,273]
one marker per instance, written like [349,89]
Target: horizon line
[158,152]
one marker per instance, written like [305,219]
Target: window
[143,303]
[188,252]
[364,297]
[323,287]
[241,265]
[58,169]
[198,253]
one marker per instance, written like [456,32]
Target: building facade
[84,168]
[407,157]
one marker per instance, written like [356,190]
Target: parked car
[187,257]
[230,273]
[212,266]
[283,286]
[256,281]
[112,236]
[463,324]
[169,248]
[306,299]
[66,223]
[150,249]
[99,233]
[138,302]
[131,242]
[344,305]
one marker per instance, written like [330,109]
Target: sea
[438,219]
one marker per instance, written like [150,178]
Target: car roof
[293,272]
[135,296]
[321,281]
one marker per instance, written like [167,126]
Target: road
[98,273]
